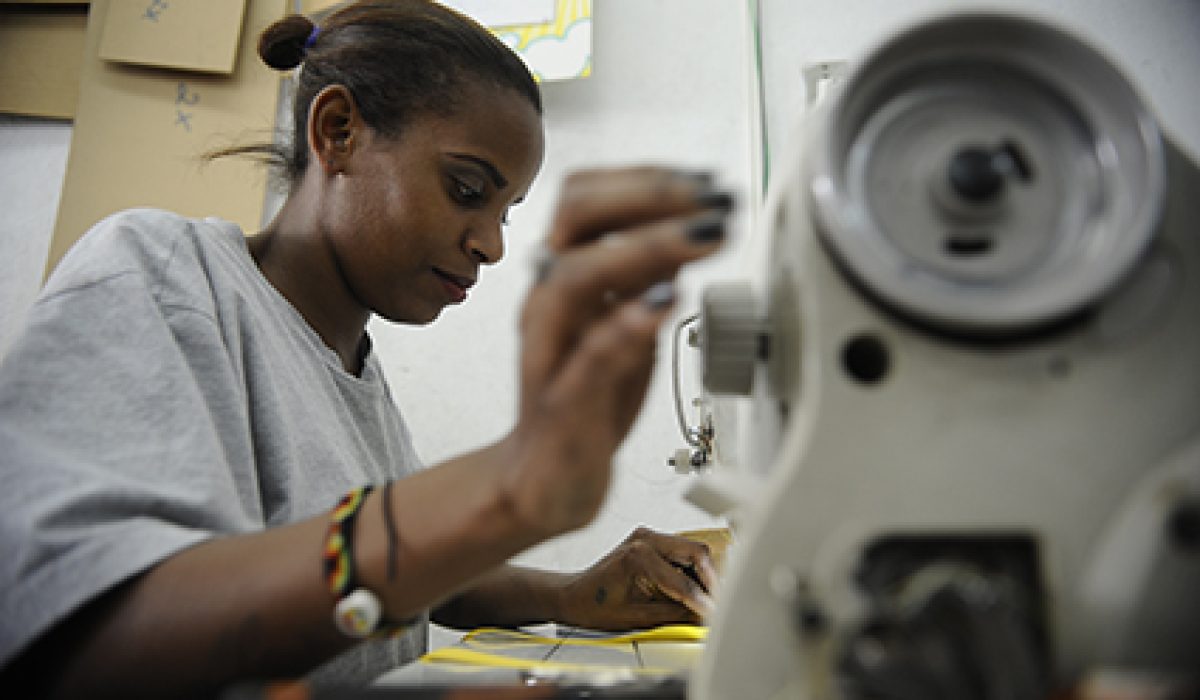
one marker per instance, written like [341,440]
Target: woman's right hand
[589,328]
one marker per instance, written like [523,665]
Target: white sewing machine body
[985,456]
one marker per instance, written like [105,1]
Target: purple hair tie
[312,38]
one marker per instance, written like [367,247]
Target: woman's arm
[256,606]
[507,596]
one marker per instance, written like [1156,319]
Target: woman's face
[413,218]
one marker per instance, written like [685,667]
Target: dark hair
[400,59]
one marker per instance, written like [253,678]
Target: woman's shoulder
[150,244]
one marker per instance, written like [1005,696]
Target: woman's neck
[293,255]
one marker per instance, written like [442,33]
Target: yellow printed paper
[557,50]
[560,49]
[664,651]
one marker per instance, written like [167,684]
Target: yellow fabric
[484,648]
[473,657]
[508,637]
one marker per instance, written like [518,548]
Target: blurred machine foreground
[973,366]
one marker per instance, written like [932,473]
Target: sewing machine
[972,370]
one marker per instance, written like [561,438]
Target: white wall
[669,86]
[33,159]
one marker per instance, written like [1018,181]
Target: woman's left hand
[650,579]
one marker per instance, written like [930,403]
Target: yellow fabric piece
[473,657]
[489,643]
[508,637]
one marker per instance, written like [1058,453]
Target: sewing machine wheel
[994,194]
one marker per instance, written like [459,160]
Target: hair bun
[282,44]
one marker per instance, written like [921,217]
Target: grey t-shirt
[164,393]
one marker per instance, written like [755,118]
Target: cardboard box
[41,58]
[196,35]
[141,134]
[316,7]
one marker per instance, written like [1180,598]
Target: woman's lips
[456,287]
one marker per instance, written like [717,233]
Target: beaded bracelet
[358,612]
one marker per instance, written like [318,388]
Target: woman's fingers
[673,582]
[673,566]
[626,261]
[616,233]
[692,557]
[610,365]
[705,570]
[589,326]
[584,286]
[595,202]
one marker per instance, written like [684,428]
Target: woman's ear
[333,128]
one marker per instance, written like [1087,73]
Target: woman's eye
[466,192]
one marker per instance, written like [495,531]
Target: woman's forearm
[507,596]
[257,606]
[227,609]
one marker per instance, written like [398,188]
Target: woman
[188,404]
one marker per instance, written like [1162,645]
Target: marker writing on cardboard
[184,98]
[154,9]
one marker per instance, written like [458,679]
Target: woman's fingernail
[708,229]
[660,296]
[722,200]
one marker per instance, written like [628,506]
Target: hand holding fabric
[650,579]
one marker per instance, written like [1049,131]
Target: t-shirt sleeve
[121,421]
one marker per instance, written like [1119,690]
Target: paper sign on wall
[198,36]
[554,37]
[557,50]
[505,13]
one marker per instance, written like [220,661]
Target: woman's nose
[485,243]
